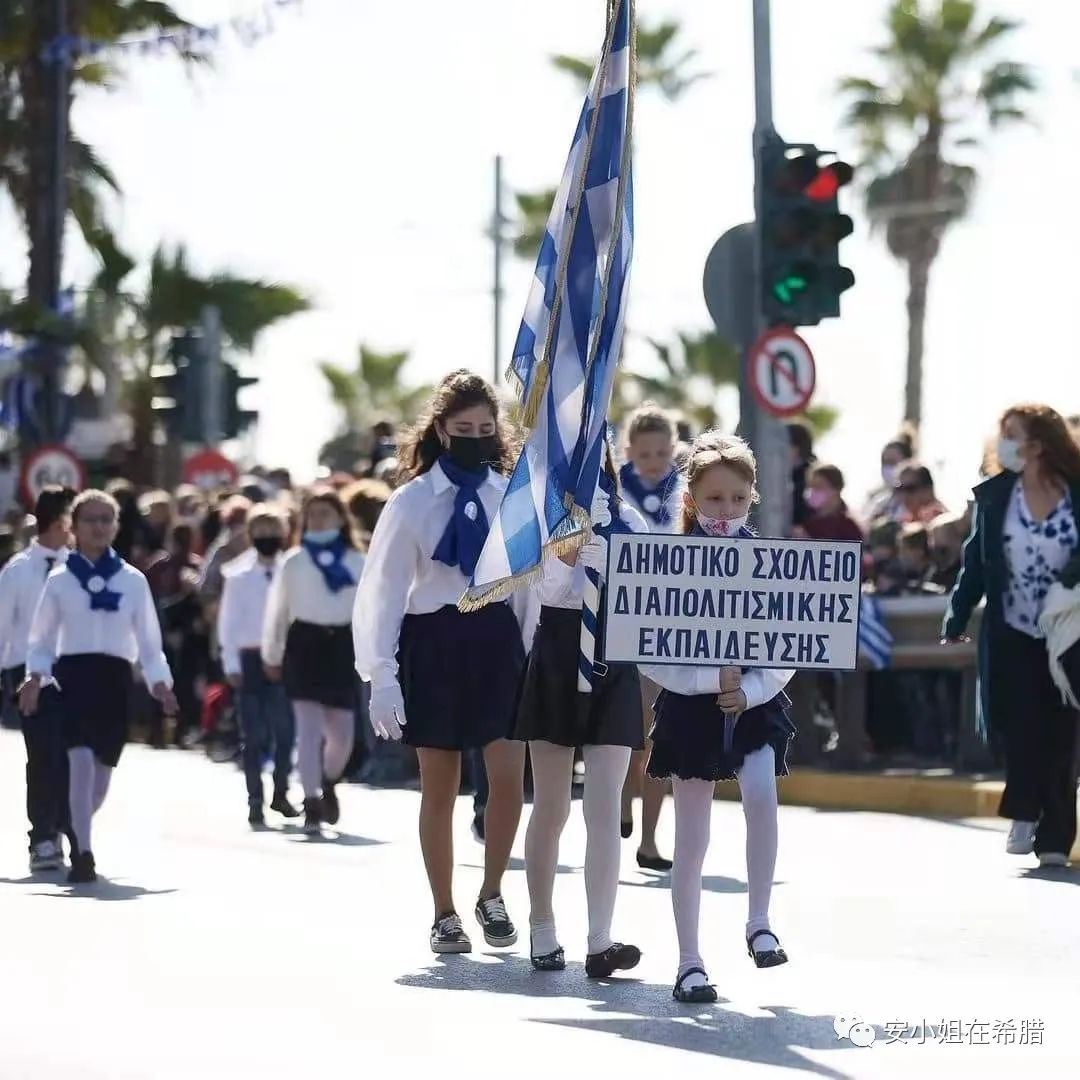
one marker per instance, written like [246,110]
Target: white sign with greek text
[719,601]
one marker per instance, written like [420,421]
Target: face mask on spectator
[1008,453]
[889,475]
[817,498]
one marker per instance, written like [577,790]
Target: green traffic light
[785,290]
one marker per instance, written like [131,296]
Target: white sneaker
[1021,838]
[46,856]
[1053,858]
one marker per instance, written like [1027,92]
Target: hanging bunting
[248,29]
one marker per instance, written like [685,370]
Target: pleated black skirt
[460,675]
[319,665]
[688,737]
[554,710]
[95,696]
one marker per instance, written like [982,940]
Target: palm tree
[373,388]
[661,64]
[692,371]
[25,75]
[173,300]
[940,80]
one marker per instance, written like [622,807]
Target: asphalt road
[210,951]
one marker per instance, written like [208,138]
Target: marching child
[266,720]
[96,617]
[555,718]
[696,743]
[650,483]
[307,641]
[454,676]
[21,584]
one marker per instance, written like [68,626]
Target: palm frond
[574,66]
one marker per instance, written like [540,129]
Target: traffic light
[179,389]
[801,229]
[236,419]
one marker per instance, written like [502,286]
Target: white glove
[601,508]
[593,555]
[387,711]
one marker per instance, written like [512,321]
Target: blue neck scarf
[94,578]
[329,559]
[653,502]
[467,530]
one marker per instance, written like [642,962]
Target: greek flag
[875,641]
[568,346]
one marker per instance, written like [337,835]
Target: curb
[889,793]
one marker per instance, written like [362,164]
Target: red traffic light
[828,181]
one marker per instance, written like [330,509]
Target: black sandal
[552,961]
[695,995]
[769,957]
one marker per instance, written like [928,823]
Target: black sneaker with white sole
[499,931]
[448,935]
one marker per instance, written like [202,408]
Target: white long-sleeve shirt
[247,580]
[300,593]
[22,581]
[674,507]
[401,577]
[760,685]
[65,625]
[563,586]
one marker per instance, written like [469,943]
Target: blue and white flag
[875,641]
[568,347]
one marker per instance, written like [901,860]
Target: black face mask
[472,454]
[267,545]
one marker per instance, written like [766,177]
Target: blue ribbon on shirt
[467,530]
[636,488]
[94,578]
[329,559]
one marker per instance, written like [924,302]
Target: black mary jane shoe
[654,862]
[694,995]
[769,957]
[616,957]
[552,961]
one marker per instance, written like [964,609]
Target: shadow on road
[1066,875]
[102,889]
[296,835]
[645,1012]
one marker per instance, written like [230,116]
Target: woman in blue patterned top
[1026,536]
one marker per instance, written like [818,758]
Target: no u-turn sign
[782,372]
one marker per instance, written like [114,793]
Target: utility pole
[498,238]
[50,69]
[213,389]
[767,435]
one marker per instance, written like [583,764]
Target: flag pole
[590,600]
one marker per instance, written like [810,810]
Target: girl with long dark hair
[446,681]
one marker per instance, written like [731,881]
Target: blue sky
[351,152]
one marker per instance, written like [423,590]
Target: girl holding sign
[95,618]
[555,718]
[307,643]
[720,724]
[446,681]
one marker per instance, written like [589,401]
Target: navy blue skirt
[688,737]
[460,676]
[95,697]
[319,665]
[552,709]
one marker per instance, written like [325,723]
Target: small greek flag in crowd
[568,346]
[875,641]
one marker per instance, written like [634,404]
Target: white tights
[324,741]
[693,813]
[605,770]
[87,788]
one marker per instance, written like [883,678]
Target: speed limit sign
[50,465]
